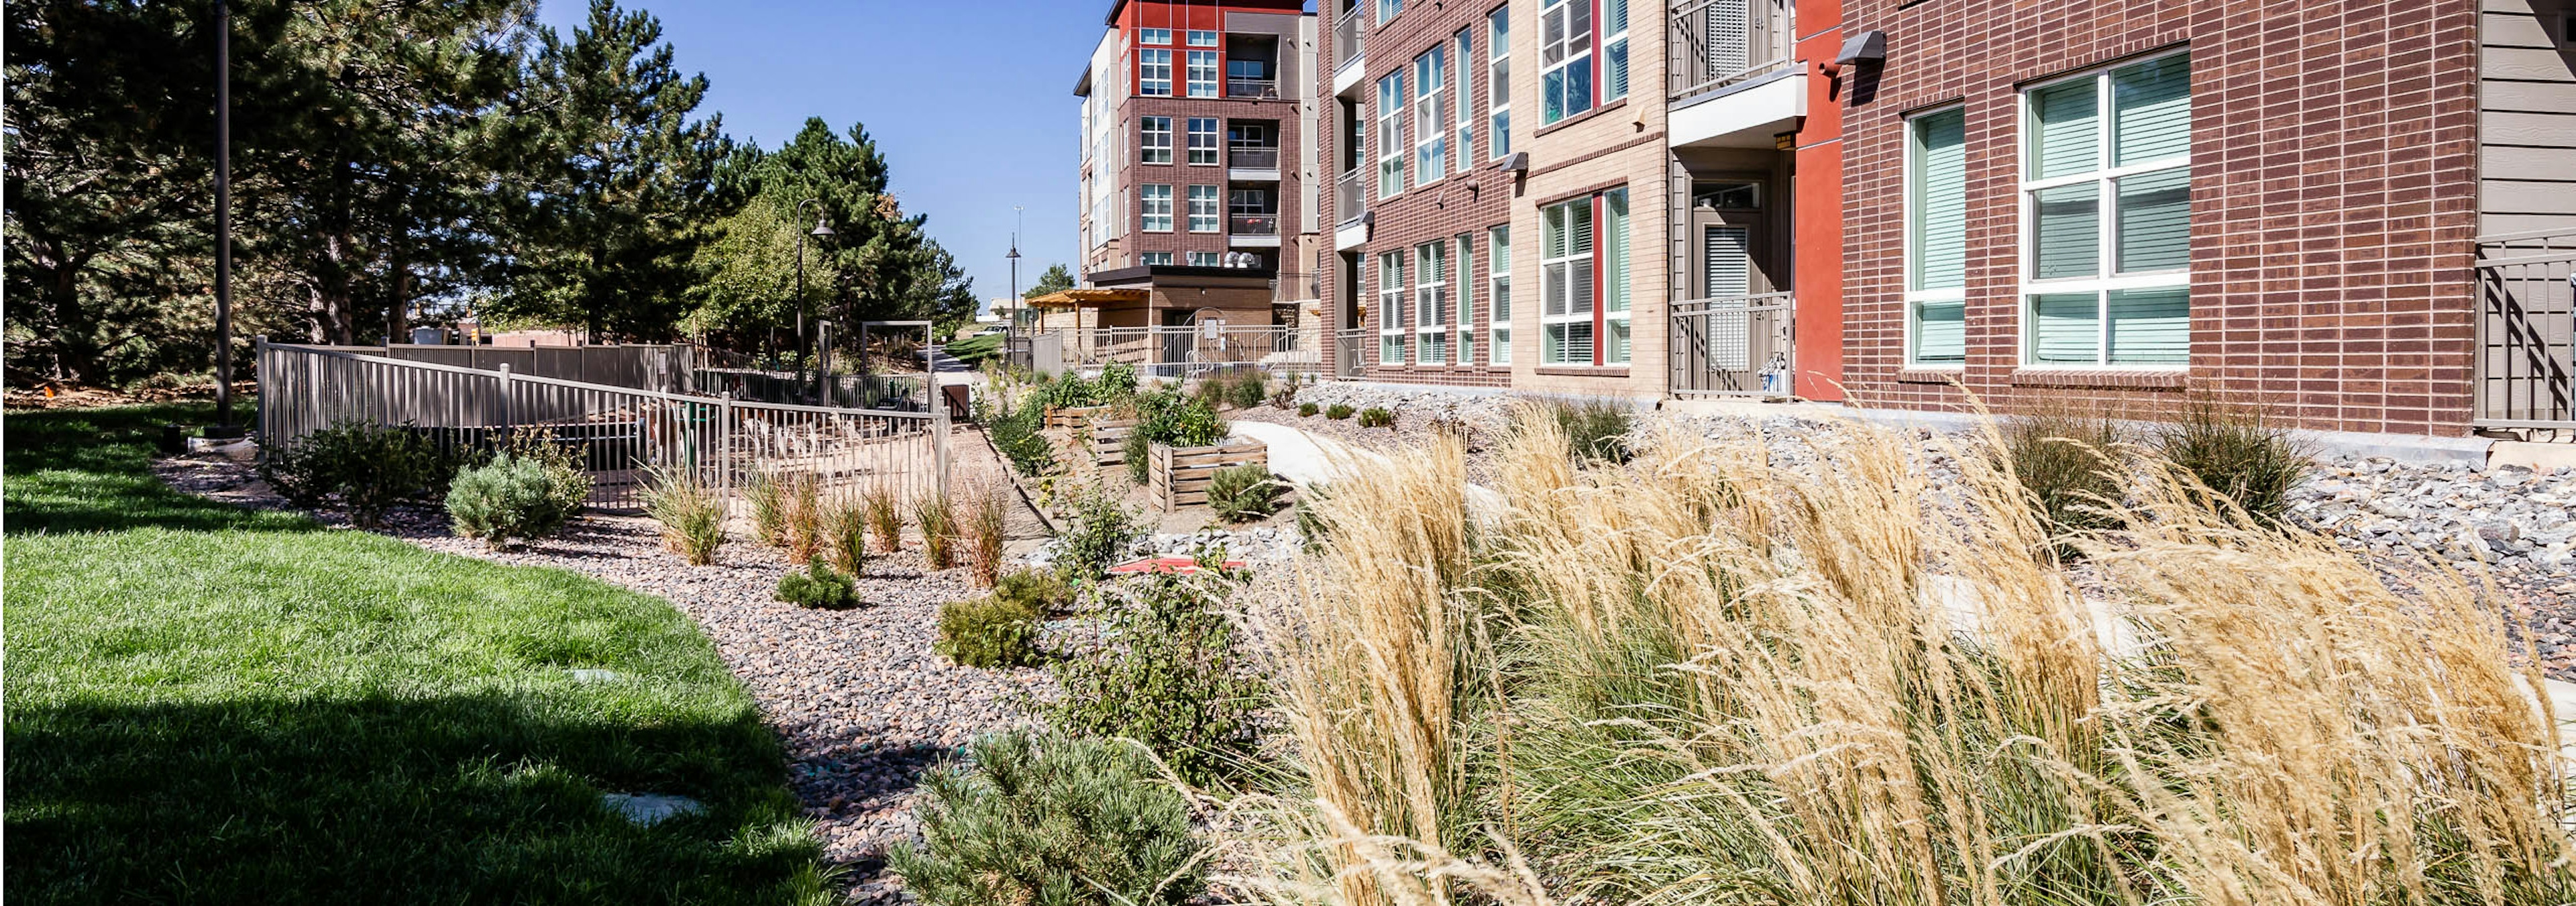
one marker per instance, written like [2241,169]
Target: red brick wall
[2333,195]
[1179,174]
[1441,210]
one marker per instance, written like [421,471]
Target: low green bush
[1595,430]
[1117,381]
[365,469]
[1043,820]
[1307,410]
[2066,460]
[1165,416]
[1037,592]
[988,632]
[1248,388]
[1338,411]
[2236,452]
[1167,673]
[1102,530]
[1018,434]
[820,587]
[1374,417]
[1243,493]
[515,498]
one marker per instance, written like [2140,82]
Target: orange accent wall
[1817,208]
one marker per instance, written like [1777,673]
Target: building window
[1498,80]
[1583,281]
[1466,104]
[1498,293]
[1203,73]
[1154,73]
[1391,148]
[1153,36]
[2108,291]
[1614,49]
[1154,258]
[1203,259]
[1936,239]
[1200,38]
[1158,140]
[1565,59]
[1431,303]
[1431,115]
[1203,209]
[1389,9]
[1203,149]
[1157,208]
[1390,308]
[1466,320]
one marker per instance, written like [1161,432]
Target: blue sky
[971,102]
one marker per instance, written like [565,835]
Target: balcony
[1716,44]
[1252,163]
[1252,230]
[1350,49]
[1350,203]
[1256,89]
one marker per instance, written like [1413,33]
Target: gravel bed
[857,697]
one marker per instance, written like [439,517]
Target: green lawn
[209,705]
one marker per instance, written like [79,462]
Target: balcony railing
[1250,158]
[1253,225]
[1734,346]
[2526,331]
[1716,43]
[1349,34]
[1251,88]
[1349,202]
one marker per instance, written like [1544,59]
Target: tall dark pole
[223,213]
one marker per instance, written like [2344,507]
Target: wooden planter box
[1073,417]
[1181,475]
[1109,440]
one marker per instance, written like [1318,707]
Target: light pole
[223,216]
[821,230]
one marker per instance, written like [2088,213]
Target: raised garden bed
[1109,440]
[1180,475]
[1073,417]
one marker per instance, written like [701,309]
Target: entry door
[1741,334]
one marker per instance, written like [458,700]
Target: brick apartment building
[1197,178]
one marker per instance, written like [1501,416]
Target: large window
[1158,140]
[1391,147]
[2109,290]
[1465,264]
[1498,293]
[1466,101]
[1936,238]
[1156,206]
[1583,281]
[1431,303]
[1498,80]
[1565,59]
[1203,146]
[1153,36]
[1154,72]
[1204,73]
[1204,214]
[1390,308]
[1430,115]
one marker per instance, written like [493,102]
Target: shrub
[692,515]
[571,482]
[1338,411]
[1286,395]
[366,468]
[988,632]
[1243,493]
[845,536]
[1248,389]
[2064,459]
[938,520]
[1374,417]
[1307,409]
[1164,416]
[1102,530]
[1117,381]
[884,515]
[1038,592]
[2238,453]
[1595,430]
[1017,433]
[1049,821]
[1138,453]
[768,508]
[987,520]
[1167,674]
[802,499]
[820,587]
[514,498]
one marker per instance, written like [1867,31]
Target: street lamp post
[223,215]
[1011,319]
[821,230]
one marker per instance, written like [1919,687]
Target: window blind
[1726,251]
[2069,231]
[1941,332]
[2151,110]
[1941,200]
[2063,120]
[2150,326]
[2155,221]
[2065,329]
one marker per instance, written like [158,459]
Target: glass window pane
[1614,250]
[1941,332]
[1614,70]
[2064,133]
[2069,231]
[2155,221]
[2065,329]
[1941,200]
[2150,326]
[2151,110]
[1614,349]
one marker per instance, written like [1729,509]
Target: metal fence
[1353,352]
[650,366]
[1184,351]
[2526,331]
[1734,346]
[1716,43]
[621,435]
